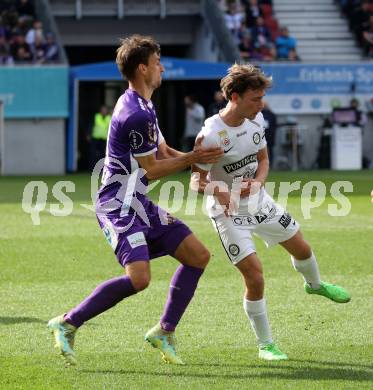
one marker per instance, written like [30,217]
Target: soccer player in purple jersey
[137,229]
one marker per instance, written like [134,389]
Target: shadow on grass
[281,364]
[339,364]
[20,320]
[252,371]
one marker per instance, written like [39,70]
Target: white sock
[257,313]
[309,269]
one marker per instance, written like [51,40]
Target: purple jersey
[133,132]
[135,227]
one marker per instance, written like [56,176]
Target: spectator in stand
[25,8]
[4,29]
[233,19]
[22,56]
[5,57]
[368,38]
[286,45]
[252,11]
[293,55]
[262,40]
[10,16]
[359,20]
[23,25]
[260,32]
[35,32]
[247,49]
[39,51]
[218,104]
[51,49]
[18,42]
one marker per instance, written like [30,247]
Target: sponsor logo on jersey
[261,217]
[249,174]
[244,221]
[234,249]
[285,220]
[240,164]
[256,138]
[136,239]
[241,134]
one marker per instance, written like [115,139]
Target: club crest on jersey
[224,139]
[256,138]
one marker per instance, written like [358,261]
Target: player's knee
[140,282]
[203,258]
[255,283]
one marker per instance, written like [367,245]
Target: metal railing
[123,8]
[45,15]
[215,20]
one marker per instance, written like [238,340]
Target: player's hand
[250,187]
[228,205]
[206,155]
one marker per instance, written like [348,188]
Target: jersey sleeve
[160,137]
[209,141]
[141,135]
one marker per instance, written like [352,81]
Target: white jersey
[241,145]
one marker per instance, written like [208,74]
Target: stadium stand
[196,25]
[23,38]
[321,31]
[254,28]
[360,17]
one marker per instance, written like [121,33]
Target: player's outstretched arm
[156,169]
[165,151]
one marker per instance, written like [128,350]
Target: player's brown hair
[243,77]
[133,51]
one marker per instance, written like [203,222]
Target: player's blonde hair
[133,51]
[244,77]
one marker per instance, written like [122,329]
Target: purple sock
[182,287]
[104,296]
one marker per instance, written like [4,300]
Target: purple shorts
[134,239]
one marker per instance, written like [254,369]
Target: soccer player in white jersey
[238,129]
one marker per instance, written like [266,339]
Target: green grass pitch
[47,269]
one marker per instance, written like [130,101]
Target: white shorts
[273,224]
